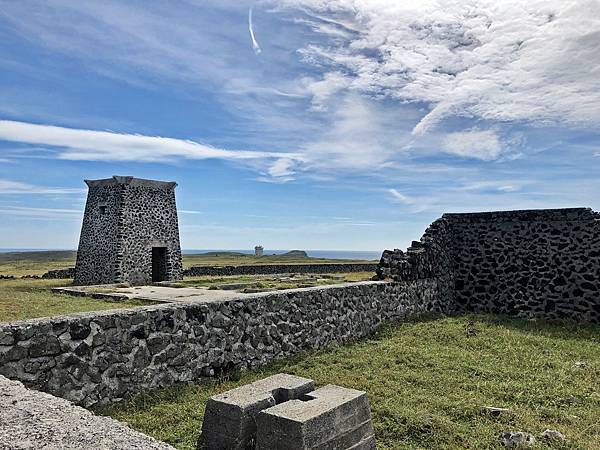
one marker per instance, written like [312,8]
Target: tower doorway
[159,264]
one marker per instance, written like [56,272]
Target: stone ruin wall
[149,220]
[97,256]
[527,263]
[532,263]
[95,358]
[116,246]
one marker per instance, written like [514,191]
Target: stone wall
[60,274]
[101,357]
[531,263]
[258,269]
[124,219]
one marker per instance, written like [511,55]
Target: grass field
[37,263]
[28,299]
[275,282]
[22,299]
[426,383]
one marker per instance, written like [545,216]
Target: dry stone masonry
[542,263]
[531,263]
[96,358]
[130,233]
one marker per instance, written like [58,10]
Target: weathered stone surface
[96,358]
[125,218]
[552,436]
[332,417]
[58,274]
[531,263]
[230,418]
[517,439]
[35,420]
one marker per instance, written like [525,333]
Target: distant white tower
[258,250]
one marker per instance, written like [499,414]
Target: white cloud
[502,186]
[188,211]
[92,145]
[479,144]
[400,197]
[17,187]
[42,213]
[255,45]
[509,60]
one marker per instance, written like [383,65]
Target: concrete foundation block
[230,418]
[331,417]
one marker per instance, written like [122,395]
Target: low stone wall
[531,263]
[266,269]
[60,274]
[101,357]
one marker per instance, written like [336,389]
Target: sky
[304,124]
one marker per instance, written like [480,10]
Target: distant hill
[39,256]
[295,254]
[218,254]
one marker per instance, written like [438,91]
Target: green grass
[426,382]
[239,260]
[273,282]
[28,299]
[35,263]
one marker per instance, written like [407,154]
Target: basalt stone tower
[130,233]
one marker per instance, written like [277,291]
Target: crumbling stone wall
[531,263]
[261,269]
[124,218]
[101,357]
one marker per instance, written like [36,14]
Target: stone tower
[130,233]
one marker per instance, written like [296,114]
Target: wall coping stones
[524,215]
[132,181]
[32,419]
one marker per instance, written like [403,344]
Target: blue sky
[345,124]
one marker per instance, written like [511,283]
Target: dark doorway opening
[159,264]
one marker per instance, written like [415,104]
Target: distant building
[258,250]
[130,233]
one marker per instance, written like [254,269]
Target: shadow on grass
[555,329]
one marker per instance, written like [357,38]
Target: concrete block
[331,417]
[230,418]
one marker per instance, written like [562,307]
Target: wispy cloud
[400,197]
[17,187]
[508,61]
[255,45]
[42,213]
[93,145]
